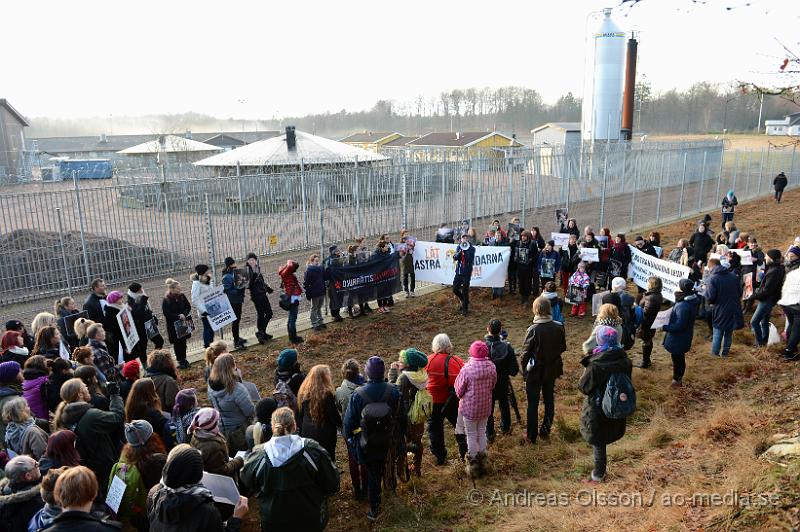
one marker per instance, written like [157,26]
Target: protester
[548,263]
[75,492]
[92,427]
[334,260]
[292,477]
[143,403]
[621,253]
[131,372]
[750,272]
[19,327]
[235,295]
[731,233]
[44,517]
[162,371]
[729,203]
[97,398]
[140,465]
[13,346]
[767,294]
[506,366]
[81,326]
[48,342]
[292,292]
[314,286]
[20,495]
[680,329]
[232,400]
[259,290]
[789,302]
[175,308]
[578,291]
[180,503]
[213,351]
[443,369]
[383,297]
[10,387]
[42,320]
[513,242]
[103,361]
[415,400]
[570,257]
[60,451]
[139,303]
[183,413]
[473,387]
[261,431]
[373,410]
[202,285]
[598,430]
[651,306]
[23,436]
[779,183]
[526,258]
[702,243]
[351,380]
[60,372]
[96,301]
[64,308]
[407,269]
[318,417]
[206,437]
[115,304]
[545,340]
[289,371]
[35,374]
[724,294]
[571,227]
[464,258]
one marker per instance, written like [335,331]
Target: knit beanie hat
[639,238]
[795,250]
[333,249]
[9,371]
[375,369]
[185,400]
[206,419]
[137,432]
[606,337]
[287,358]
[252,255]
[264,410]
[130,370]
[114,297]
[413,358]
[478,349]
[617,284]
[13,325]
[229,261]
[686,286]
[184,467]
[775,255]
[134,287]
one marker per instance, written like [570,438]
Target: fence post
[791,166]
[245,251]
[683,185]
[569,172]
[63,250]
[635,187]
[719,177]
[404,184]
[82,228]
[357,197]
[660,186]
[735,170]
[524,194]
[603,194]
[169,223]
[510,188]
[761,171]
[702,182]
[624,168]
[303,198]
[212,250]
[537,177]
[443,175]
[322,239]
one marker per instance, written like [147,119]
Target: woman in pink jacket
[474,386]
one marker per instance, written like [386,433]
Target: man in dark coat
[545,340]
[20,497]
[680,329]
[235,293]
[701,242]
[142,313]
[464,258]
[505,362]
[526,258]
[767,294]
[334,260]
[724,294]
[258,294]
[96,302]
[779,183]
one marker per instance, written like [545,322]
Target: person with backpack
[474,386]
[545,341]
[139,467]
[372,421]
[443,368]
[651,306]
[724,294]
[351,380]
[206,438]
[288,379]
[318,417]
[550,293]
[780,182]
[230,398]
[464,259]
[235,295]
[292,478]
[416,401]
[680,329]
[767,294]
[607,364]
[261,431]
[505,362]
[259,291]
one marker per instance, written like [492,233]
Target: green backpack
[133,508]
[421,407]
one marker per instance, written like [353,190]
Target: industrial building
[557,134]
[12,141]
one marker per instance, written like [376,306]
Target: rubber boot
[483,464]
[461,440]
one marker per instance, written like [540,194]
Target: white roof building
[169,144]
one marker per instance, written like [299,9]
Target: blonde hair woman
[608,316]
[213,351]
[231,399]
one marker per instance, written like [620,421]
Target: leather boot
[647,350]
[461,440]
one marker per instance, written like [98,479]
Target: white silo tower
[601,115]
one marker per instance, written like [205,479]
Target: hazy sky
[101,58]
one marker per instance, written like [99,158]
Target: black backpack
[377,422]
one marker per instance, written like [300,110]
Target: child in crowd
[579,290]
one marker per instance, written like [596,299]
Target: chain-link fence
[56,237]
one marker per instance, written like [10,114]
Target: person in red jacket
[291,287]
[441,386]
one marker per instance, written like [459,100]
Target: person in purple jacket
[314,287]
[35,375]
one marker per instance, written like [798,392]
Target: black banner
[377,278]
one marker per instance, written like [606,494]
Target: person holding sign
[651,305]
[464,258]
[176,308]
[138,302]
[235,293]
[202,285]
[259,290]
[526,257]
[115,303]
[570,257]
[549,262]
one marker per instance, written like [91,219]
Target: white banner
[644,266]
[129,334]
[745,255]
[590,254]
[560,239]
[433,262]
[218,306]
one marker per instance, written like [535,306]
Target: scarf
[182,423]
[14,434]
[608,322]
[135,296]
[195,490]
[418,378]
[17,350]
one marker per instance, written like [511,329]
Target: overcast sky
[259,59]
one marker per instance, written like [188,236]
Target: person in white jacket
[790,303]
[202,285]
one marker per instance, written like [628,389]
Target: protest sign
[69,322]
[433,262]
[222,488]
[115,493]
[377,277]
[561,239]
[662,318]
[745,255]
[184,327]
[218,306]
[590,255]
[561,217]
[130,335]
[644,266]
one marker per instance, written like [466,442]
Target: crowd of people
[73,426]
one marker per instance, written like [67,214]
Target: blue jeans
[208,333]
[760,322]
[292,320]
[724,337]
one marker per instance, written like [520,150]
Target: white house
[790,125]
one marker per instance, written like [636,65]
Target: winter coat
[570,230]
[75,521]
[729,205]
[702,243]
[18,505]
[257,285]
[409,383]
[324,433]
[52,388]
[680,329]
[43,518]
[160,426]
[570,257]
[622,253]
[6,394]
[289,280]
[69,338]
[724,293]
[790,292]
[437,386]
[595,427]
[780,181]
[474,386]
[166,388]
[757,260]
[215,455]
[32,391]
[407,264]
[94,429]
[186,509]
[553,255]
[464,259]
[103,361]
[314,281]
[545,340]
[343,393]
[769,290]
[20,355]
[235,295]
[526,254]
[235,408]
[293,377]
[503,356]
[651,306]
[201,286]
[293,478]
[141,312]
[172,307]
[375,391]
[31,439]
[93,306]
[591,342]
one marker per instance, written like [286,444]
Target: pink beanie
[478,349]
[114,297]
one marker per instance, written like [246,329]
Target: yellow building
[453,145]
[368,140]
